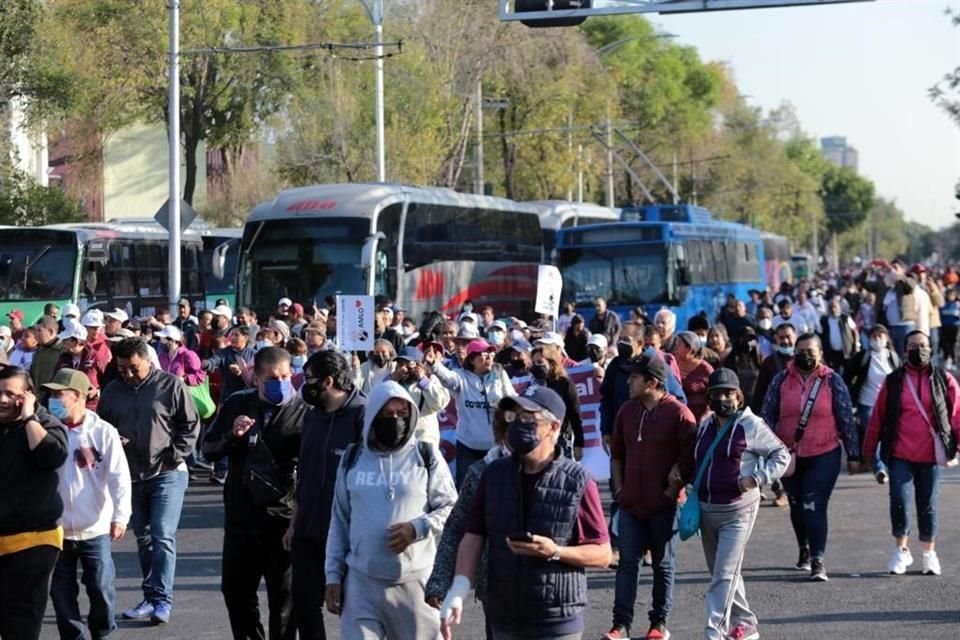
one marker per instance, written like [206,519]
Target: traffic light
[526,6]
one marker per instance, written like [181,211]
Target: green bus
[101,265]
[221,254]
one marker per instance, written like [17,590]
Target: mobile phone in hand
[520,536]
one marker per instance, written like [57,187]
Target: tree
[946,93]
[847,197]
[23,202]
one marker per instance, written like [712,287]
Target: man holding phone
[33,445]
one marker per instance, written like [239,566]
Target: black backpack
[352,453]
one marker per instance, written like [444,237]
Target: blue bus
[673,256]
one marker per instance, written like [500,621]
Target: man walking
[158,425]
[95,489]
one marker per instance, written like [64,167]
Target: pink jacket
[185,364]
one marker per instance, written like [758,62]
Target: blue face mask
[57,408]
[261,344]
[297,362]
[496,337]
[785,351]
[277,391]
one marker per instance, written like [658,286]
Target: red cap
[918,268]
[16,313]
[297,308]
[880,262]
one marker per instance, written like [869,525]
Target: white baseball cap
[71,310]
[598,340]
[74,331]
[550,337]
[222,310]
[284,302]
[171,333]
[92,318]
[117,314]
[5,331]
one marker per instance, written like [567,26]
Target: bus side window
[122,267]
[385,276]
[189,271]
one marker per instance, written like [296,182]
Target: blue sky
[859,70]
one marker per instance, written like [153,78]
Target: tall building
[836,150]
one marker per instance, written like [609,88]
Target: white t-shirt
[877,373]
[923,309]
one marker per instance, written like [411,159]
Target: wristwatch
[31,418]
[555,556]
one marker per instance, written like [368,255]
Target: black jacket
[29,500]
[325,436]
[858,366]
[277,428]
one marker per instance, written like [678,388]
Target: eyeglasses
[522,416]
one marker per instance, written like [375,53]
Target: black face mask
[625,350]
[723,407]
[389,431]
[539,371]
[805,361]
[313,394]
[918,357]
[380,360]
[519,365]
[594,355]
[522,437]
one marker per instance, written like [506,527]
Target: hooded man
[391,500]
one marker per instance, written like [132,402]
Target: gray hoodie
[384,488]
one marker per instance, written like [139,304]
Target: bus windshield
[37,264]
[228,283]
[302,260]
[623,275]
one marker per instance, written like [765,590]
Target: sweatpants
[377,609]
[724,532]
[24,584]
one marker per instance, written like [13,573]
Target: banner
[549,288]
[355,323]
[595,459]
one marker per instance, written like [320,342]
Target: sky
[858,70]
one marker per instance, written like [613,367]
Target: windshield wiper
[29,265]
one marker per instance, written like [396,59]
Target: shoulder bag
[689,521]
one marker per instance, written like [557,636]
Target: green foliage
[23,202]
[946,93]
[847,197]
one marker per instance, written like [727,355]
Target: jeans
[809,490]
[157,503]
[309,579]
[659,534]
[248,557]
[94,558]
[923,480]
[898,337]
[948,341]
[863,419]
[724,534]
[465,459]
[935,340]
[24,583]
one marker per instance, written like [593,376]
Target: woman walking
[547,371]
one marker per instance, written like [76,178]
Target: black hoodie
[325,435]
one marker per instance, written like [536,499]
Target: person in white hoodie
[378,367]
[391,499]
[95,489]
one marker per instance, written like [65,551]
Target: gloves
[452,607]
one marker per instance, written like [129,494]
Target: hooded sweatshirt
[477,398]
[384,488]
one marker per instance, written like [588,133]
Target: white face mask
[878,344]
[765,324]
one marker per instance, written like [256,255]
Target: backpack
[352,453]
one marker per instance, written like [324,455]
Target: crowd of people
[337,495]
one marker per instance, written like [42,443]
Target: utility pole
[610,185]
[377,17]
[570,149]
[580,173]
[693,179]
[479,187]
[173,116]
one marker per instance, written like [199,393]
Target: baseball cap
[467,332]
[692,340]
[117,314]
[550,337]
[73,331]
[598,340]
[918,268]
[537,398]
[281,327]
[479,346]
[123,334]
[69,379]
[499,325]
[183,302]
[223,311]
[410,354]
[16,313]
[170,332]
[284,302]
[92,318]
[522,346]
[5,331]
[723,379]
[648,367]
[71,310]
[297,308]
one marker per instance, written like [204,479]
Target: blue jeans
[465,459]
[923,480]
[898,337]
[863,419]
[156,515]
[809,490]
[659,535]
[94,558]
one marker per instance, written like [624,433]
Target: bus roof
[363,200]
[141,230]
[631,232]
[553,213]
[221,232]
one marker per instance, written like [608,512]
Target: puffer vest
[941,413]
[524,590]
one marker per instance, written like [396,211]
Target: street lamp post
[173,116]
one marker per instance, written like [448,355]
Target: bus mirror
[219,261]
[683,275]
[369,249]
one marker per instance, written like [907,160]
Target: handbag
[261,477]
[200,393]
[689,521]
[940,451]
[802,425]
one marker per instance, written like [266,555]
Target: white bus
[560,214]
[422,248]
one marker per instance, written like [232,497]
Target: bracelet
[556,555]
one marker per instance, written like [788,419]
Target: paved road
[859,602]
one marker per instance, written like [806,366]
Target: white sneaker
[931,563]
[900,559]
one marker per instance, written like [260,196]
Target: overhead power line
[332,48]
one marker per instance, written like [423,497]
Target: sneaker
[140,612]
[619,632]
[218,477]
[648,559]
[818,573]
[658,631]
[161,613]
[931,563]
[781,501]
[881,476]
[744,631]
[900,559]
[803,563]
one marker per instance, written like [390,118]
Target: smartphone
[521,536]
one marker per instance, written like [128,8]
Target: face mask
[805,362]
[594,355]
[519,365]
[539,371]
[468,308]
[878,345]
[407,331]
[496,338]
[312,394]
[785,351]
[918,357]
[57,408]
[297,362]
[522,437]
[389,431]
[766,324]
[277,391]
[380,360]
[723,407]
[261,344]
[625,349]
